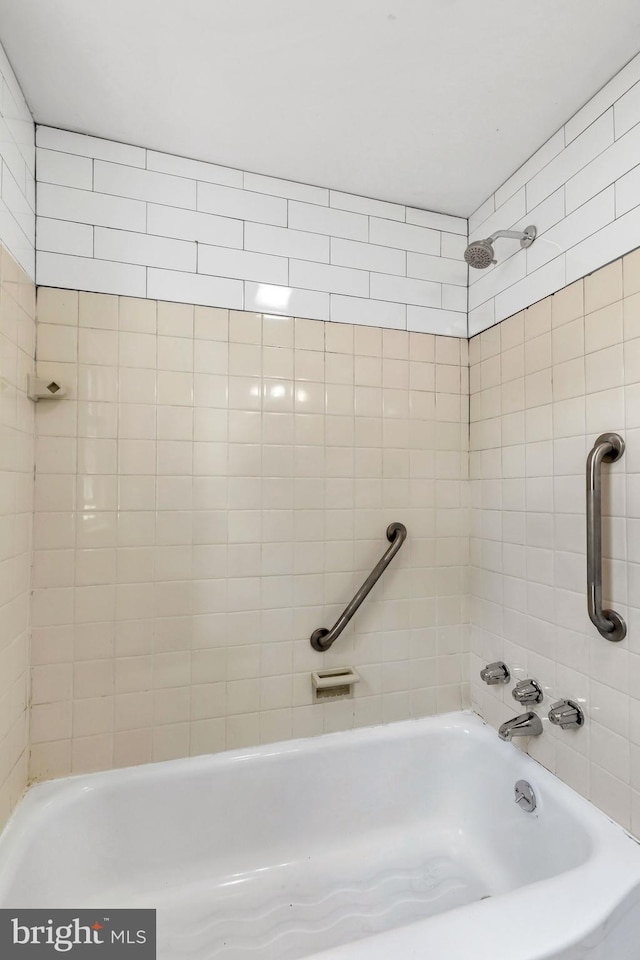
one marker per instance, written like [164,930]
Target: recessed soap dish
[337,682]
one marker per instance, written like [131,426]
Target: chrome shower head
[479,253]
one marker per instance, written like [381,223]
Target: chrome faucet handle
[528,691]
[566,713]
[497,672]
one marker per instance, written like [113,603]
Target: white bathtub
[379,843]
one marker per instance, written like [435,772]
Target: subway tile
[437,221]
[139,248]
[284,242]
[530,168]
[332,279]
[193,169]
[84,146]
[628,191]
[325,220]
[16,202]
[405,236]
[368,312]
[242,265]
[98,276]
[608,95]
[496,279]
[65,236]
[481,213]
[13,157]
[545,215]
[612,241]
[83,206]
[438,269]
[405,290]
[580,151]
[627,109]
[454,298]
[448,323]
[65,169]
[286,188]
[453,246]
[604,170]
[546,280]
[242,204]
[511,211]
[194,288]
[287,301]
[372,208]
[191,225]
[585,221]
[121,181]
[17,240]
[368,256]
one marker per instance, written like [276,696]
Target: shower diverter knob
[497,672]
[528,691]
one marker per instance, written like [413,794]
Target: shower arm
[511,234]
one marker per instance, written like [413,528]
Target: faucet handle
[497,672]
[566,713]
[528,691]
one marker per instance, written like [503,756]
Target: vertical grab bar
[608,448]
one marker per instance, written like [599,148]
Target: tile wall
[17,171]
[17,343]
[581,190]
[214,486]
[114,218]
[544,384]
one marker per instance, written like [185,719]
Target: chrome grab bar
[608,448]
[321,639]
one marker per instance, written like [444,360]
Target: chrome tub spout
[525,725]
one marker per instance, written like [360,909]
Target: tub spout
[525,725]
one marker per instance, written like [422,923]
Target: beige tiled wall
[544,384]
[17,340]
[213,487]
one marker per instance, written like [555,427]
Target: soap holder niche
[45,389]
[330,684]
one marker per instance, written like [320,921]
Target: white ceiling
[433,103]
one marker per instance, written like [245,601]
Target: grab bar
[321,639]
[608,448]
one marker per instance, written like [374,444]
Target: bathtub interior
[294,850]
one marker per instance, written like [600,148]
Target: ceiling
[433,103]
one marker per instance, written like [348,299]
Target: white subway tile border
[570,184]
[199,231]
[321,245]
[17,171]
